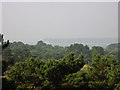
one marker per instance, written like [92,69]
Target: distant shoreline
[103,42]
[90,42]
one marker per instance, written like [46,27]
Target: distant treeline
[18,51]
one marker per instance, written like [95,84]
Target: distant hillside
[113,46]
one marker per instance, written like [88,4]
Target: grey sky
[30,22]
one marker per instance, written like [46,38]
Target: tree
[76,80]
[80,49]
[4,45]
[98,49]
[114,76]
[100,71]
[27,74]
[57,69]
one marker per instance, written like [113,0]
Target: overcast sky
[33,21]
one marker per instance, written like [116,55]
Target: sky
[60,0]
[33,21]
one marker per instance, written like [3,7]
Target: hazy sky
[33,21]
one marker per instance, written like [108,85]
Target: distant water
[103,42]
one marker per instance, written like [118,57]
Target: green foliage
[80,49]
[4,66]
[76,64]
[57,69]
[36,73]
[29,73]
[76,80]
[117,86]
[101,72]
[113,49]
[113,46]
[44,66]
[20,51]
[114,76]
[98,49]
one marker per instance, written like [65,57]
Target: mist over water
[103,42]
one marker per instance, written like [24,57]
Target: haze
[33,21]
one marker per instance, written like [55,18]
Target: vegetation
[44,66]
[18,51]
